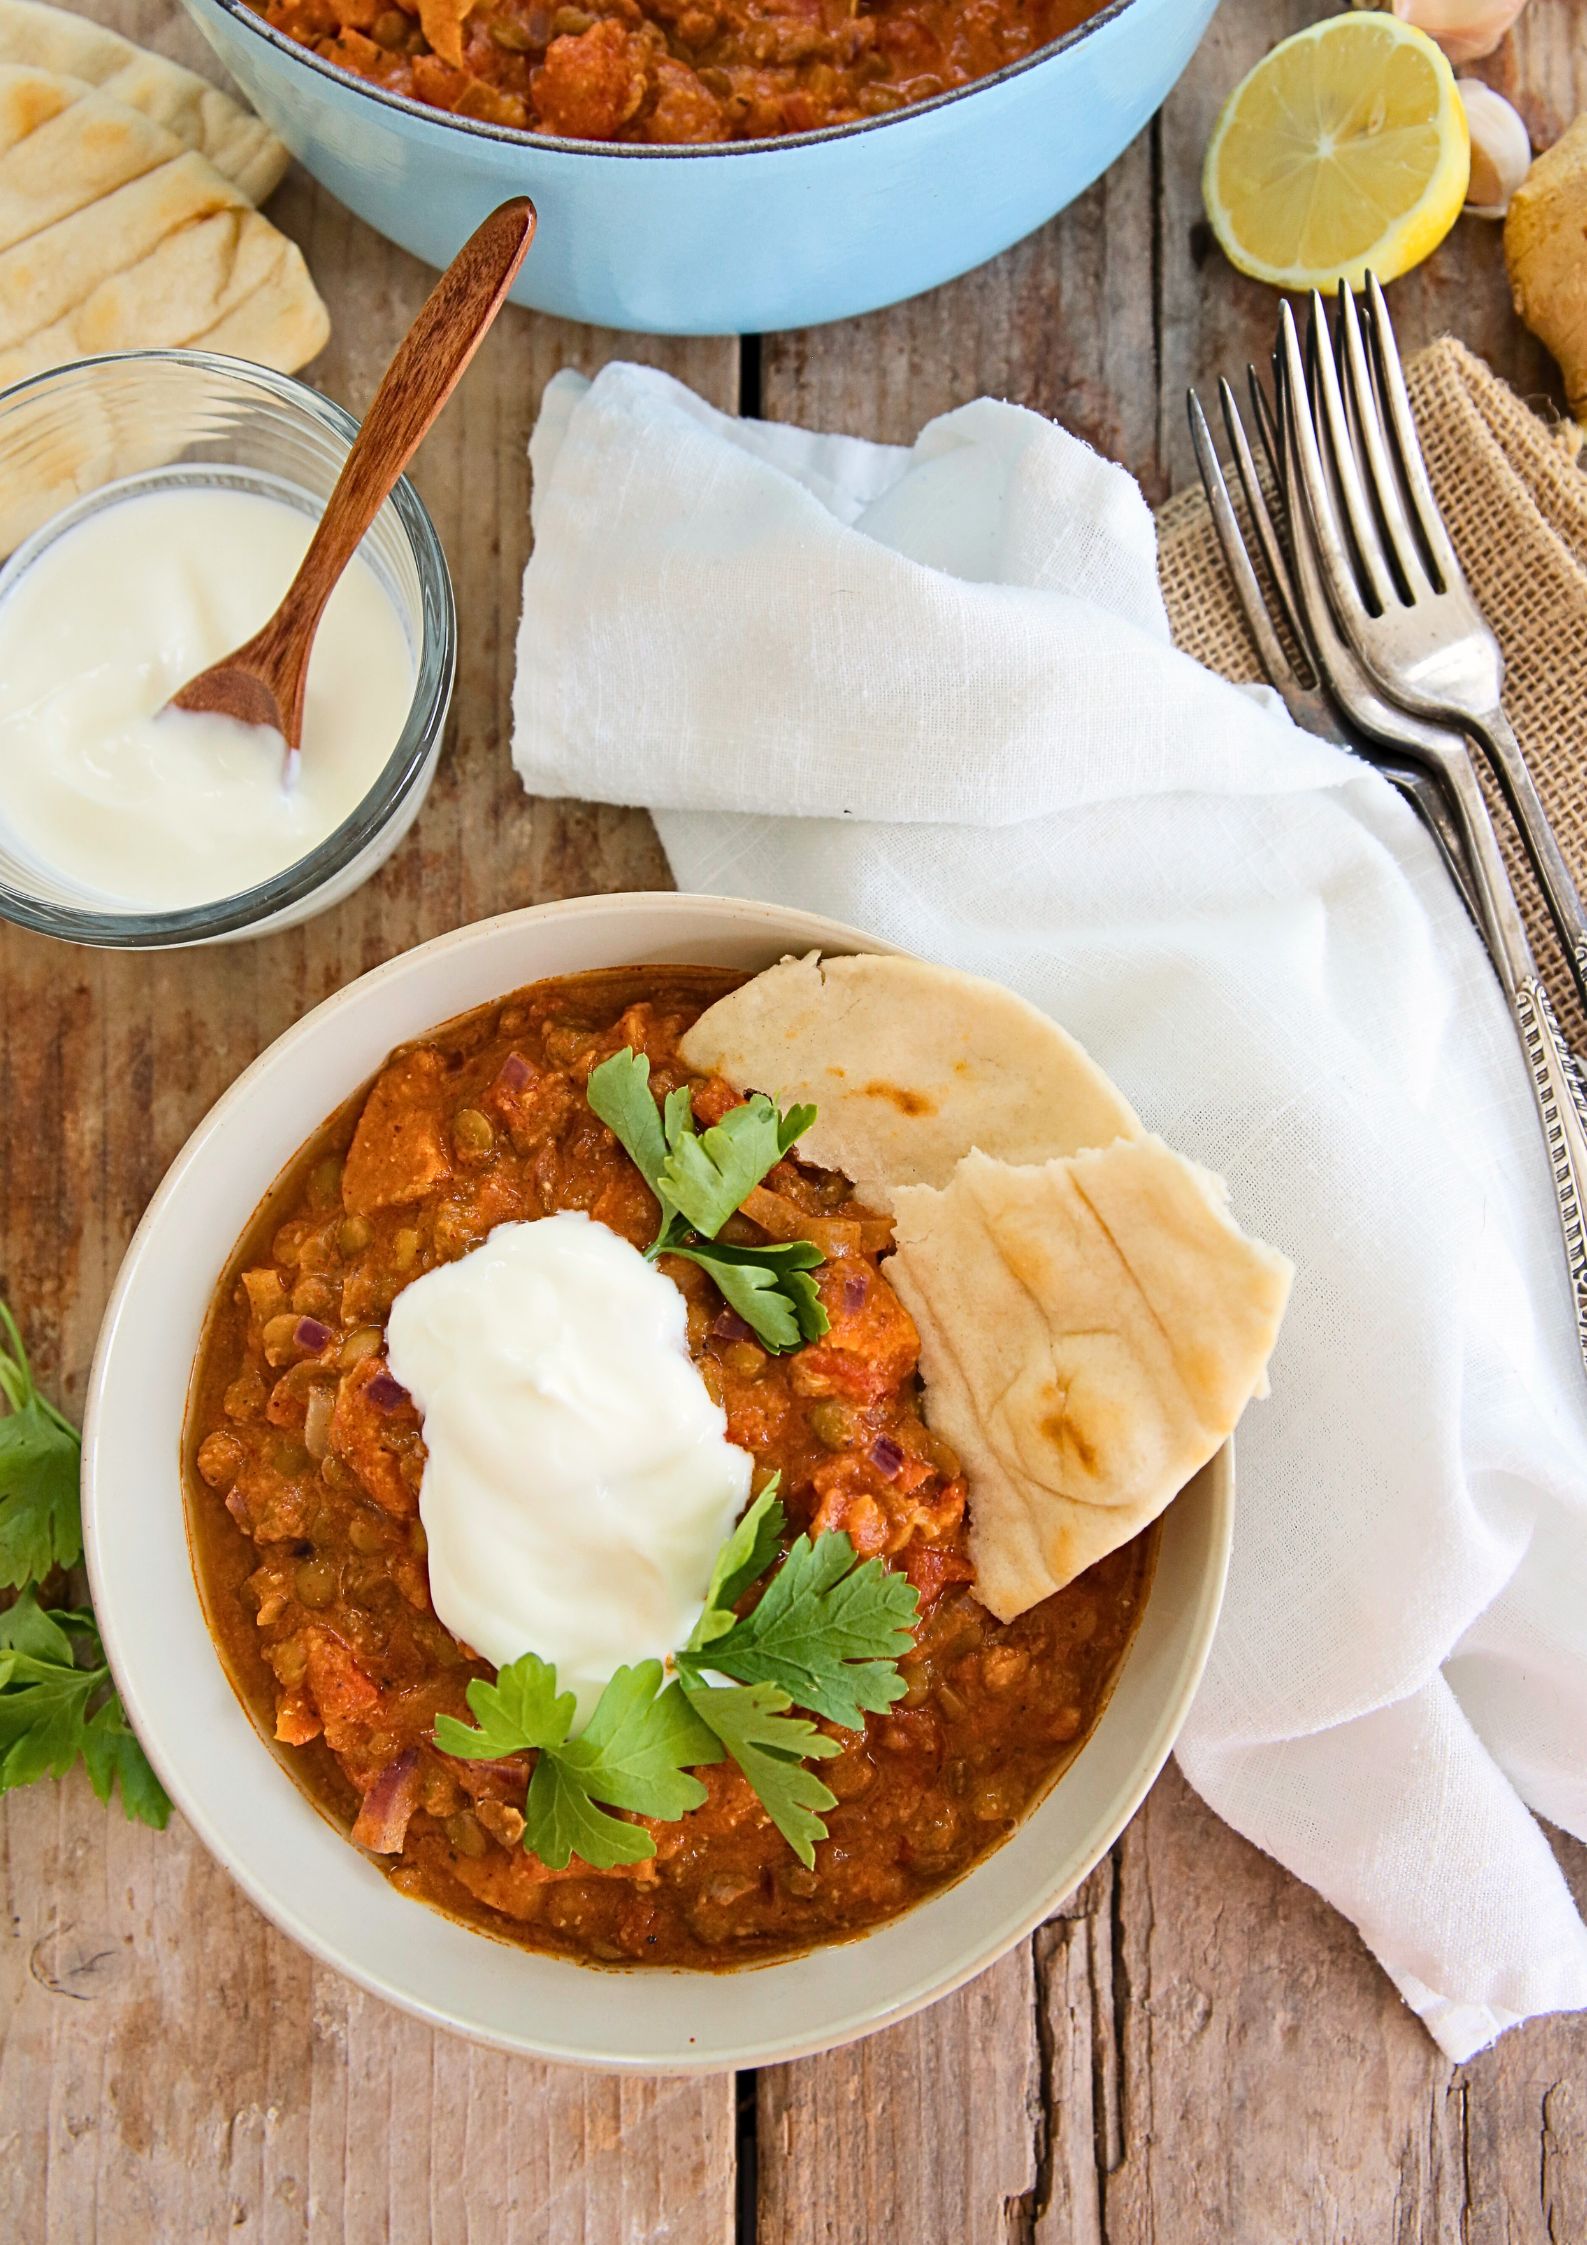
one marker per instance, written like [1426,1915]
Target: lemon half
[1344,152]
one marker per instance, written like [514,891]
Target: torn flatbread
[908,1065]
[1091,1329]
[239,145]
[175,256]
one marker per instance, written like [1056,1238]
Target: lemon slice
[1345,152]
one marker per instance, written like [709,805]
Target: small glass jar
[86,435]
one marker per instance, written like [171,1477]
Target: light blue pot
[742,238]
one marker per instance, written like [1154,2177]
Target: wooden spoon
[262,682]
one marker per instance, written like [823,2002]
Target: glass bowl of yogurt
[153,508]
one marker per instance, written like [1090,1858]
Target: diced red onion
[237,1507]
[385,1393]
[513,1073]
[382,1824]
[887,1457]
[312,1336]
[731,1327]
[856,1286]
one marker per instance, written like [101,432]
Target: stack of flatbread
[127,222]
[127,219]
[1092,1320]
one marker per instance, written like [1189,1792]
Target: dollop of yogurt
[579,1480]
[132,804]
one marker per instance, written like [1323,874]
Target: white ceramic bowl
[245,1807]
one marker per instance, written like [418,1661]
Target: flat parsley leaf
[743,1559]
[522,1709]
[561,1820]
[619,1091]
[771,1747]
[54,1711]
[708,1175]
[637,1748]
[828,1630]
[634,1753]
[700,1180]
[40,1525]
[770,1287]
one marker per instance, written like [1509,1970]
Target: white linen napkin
[932,692]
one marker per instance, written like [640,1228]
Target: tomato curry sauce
[305,1458]
[674,71]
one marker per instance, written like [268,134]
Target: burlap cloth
[1515,502]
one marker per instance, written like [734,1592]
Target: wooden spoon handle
[428,365]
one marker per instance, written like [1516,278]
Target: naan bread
[1090,1331]
[174,257]
[909,1065]
[241,148]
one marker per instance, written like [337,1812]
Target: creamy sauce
[579,1480]
[156,811]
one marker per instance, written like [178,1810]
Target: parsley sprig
[827,1631]
[40,1526]
[58,1704]
[825,1634]
[700,1178]
[634,1753]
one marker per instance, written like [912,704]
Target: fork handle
[1560,1110]
[1496,736]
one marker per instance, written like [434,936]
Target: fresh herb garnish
[770,1287]
[58,1706]
[708,1175]
[57,1702]
[700,1179]
[832,1633]
[828,1629]
[40,1525]
[771,1747]
[635,1753]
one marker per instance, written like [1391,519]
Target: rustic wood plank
[923,2133]
[171,2066]
[1210,2054]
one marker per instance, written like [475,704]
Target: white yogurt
[156,811]
[580,1481]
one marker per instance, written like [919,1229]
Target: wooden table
[1195,2048]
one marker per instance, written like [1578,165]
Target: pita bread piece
[63,145]
[175,257]
[241,148]
[1090,1331]
[909,1065]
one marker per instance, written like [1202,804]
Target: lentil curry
[672,71]
[305,1459]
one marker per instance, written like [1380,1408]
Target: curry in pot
[674,71]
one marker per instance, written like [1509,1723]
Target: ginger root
[1545,250]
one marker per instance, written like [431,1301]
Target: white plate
[244,1806]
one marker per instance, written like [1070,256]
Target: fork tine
[1405,550]
[1335,426]
[1266,424]
[1311,498]
[1402,423]
[1247,590]
[1262,522]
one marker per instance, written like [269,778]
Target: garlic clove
[1465,29]
[1501,149]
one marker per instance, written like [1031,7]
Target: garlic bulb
[1465,29]
[1501,152]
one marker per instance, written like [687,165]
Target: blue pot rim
[517,136]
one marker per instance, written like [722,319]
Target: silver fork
[1305,697]
[1549,1072]
[1396,583]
